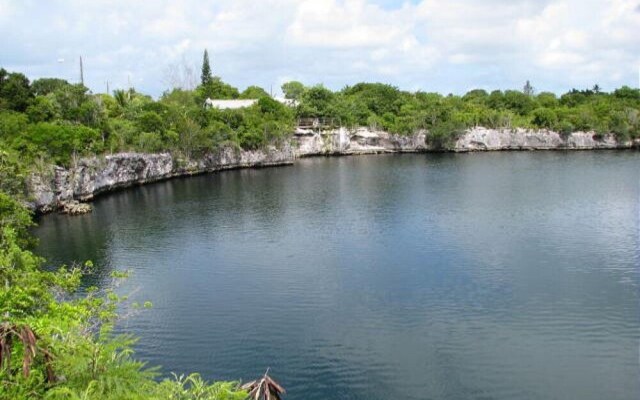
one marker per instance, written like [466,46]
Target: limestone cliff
[358,141]
[479,139]
[94,175]
[365,141]
[91,176]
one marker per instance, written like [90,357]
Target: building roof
[230,104]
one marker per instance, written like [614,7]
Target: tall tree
[15,91]
[206,77]
[293,90]
[528,89]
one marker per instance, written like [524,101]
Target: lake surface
[508,275]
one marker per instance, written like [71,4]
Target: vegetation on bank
[53,120]
[56,343]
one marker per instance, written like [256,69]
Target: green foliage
[293,90]
[44,86]
[206,77]
[59,141]
[545,118]
[382,106]
[316,102]
[43,109]
[13,174]
[193,387]
[216,89]
[442,135]
[54,121]
[627,93]
[73,340]
[254,92]
[150,121]
[12,124]
[15,91]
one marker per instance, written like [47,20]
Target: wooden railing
[318,123]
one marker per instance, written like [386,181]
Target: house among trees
[232,104]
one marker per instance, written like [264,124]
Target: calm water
[441,276]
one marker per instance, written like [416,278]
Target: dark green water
[440,276]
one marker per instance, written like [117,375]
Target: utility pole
[81,72]
[108,87]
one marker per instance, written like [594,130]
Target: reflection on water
[493,276]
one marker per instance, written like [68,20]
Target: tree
[44,86]
[293,90]
[254,92]
[15,91]
[206,77]
[627,93]
[316,102]
[528,89]
[180,75]
[216,89]
[476,95]
[544,118]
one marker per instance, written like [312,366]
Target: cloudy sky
[431,45]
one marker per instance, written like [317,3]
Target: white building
[242,103]
[229,104]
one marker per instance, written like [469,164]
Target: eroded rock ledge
[89,177]
[55,189]
[365,141]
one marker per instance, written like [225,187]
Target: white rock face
[365,141]
[94,175]
[480,139]
[91,176]
[357,141]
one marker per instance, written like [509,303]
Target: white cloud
[350,24]
[440,45]
[585,40]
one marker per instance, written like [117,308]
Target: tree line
[386,107]
[53,120]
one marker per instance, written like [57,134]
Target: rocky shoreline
[59,187]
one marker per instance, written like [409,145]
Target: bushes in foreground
[55,344]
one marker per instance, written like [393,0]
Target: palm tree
[264,388]
[9,332]
[122,97]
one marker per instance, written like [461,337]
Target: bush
[59,141]
[544,118]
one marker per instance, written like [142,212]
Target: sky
[447,46]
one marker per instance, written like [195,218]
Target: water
[439,276]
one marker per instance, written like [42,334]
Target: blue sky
[429,45]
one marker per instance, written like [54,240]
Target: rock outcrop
[365,141]
[59,188]
[481,139]
[358,141]
[75,208]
